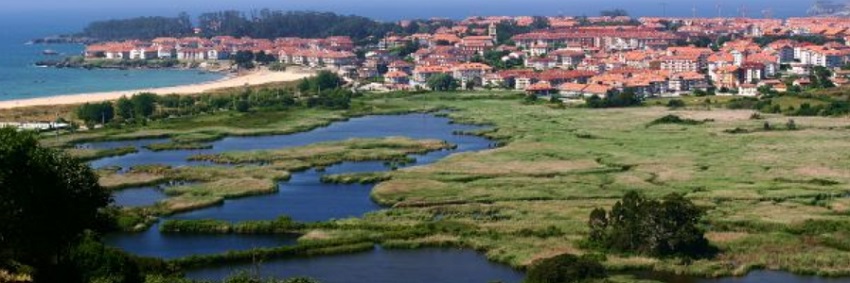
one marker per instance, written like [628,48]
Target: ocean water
[21,79]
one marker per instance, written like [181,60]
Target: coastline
[256,77]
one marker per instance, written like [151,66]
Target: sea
[21,79]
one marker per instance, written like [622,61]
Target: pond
[758,276]
[135,197]
[304,197]
[417,126]
[382,266]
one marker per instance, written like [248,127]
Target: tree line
[264,23]
[325,90]
[140,28]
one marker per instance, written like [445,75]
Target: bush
[565,268]
[673,119]
[97,113]
[624,98]
[676,103]
[791,125]
[636,225]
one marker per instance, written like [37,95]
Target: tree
[614,13]
[263,58]
[540,23]
[143,104]
[326,80]
[47,200]
[442,82]
[124,107]
[614,98]
[95,262]
[242,105]
[408,48]
[244,59]
[820,78]
[675,103]
[97,113]
[565,268]
[140,28]
[638,225]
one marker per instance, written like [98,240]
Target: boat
[50,52]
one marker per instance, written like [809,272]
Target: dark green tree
[442,82]
[614,13]
[565,268]
[124,107]
[47,201]
[244,59]
[144,104]
[676,103]
[263,58]
[637,225]
[96,113]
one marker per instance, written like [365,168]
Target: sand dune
[252,78]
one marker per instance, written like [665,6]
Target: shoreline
[256,77]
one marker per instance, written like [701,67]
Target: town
[564,57]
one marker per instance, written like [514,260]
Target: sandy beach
[250,78]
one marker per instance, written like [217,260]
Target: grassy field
[776,199]
[328,153]
[530,199]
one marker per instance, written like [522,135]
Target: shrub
[625,98]
[565,268]
[676,103]
[643,226]
[97,113]
[791,125]
[673,119]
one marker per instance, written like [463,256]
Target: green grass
[328,153]
[86,154]
[177,146]
[556,165]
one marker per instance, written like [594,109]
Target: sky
[75,13]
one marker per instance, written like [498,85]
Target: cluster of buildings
[574,56]
[331,51]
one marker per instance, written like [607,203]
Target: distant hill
[257,24]
[827,8]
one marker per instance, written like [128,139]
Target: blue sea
[21,79]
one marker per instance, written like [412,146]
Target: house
[583,90]
[681,63]
[400,66]
[397,78]
[776,85]
[752,72]
[470,72]
[421,74]
[540,88]
[521,83]
[749,90]
[493,80]
[572,90]
[727,77]
[686,82]
[569,58]
[540,63]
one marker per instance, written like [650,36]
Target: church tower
[492,31]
